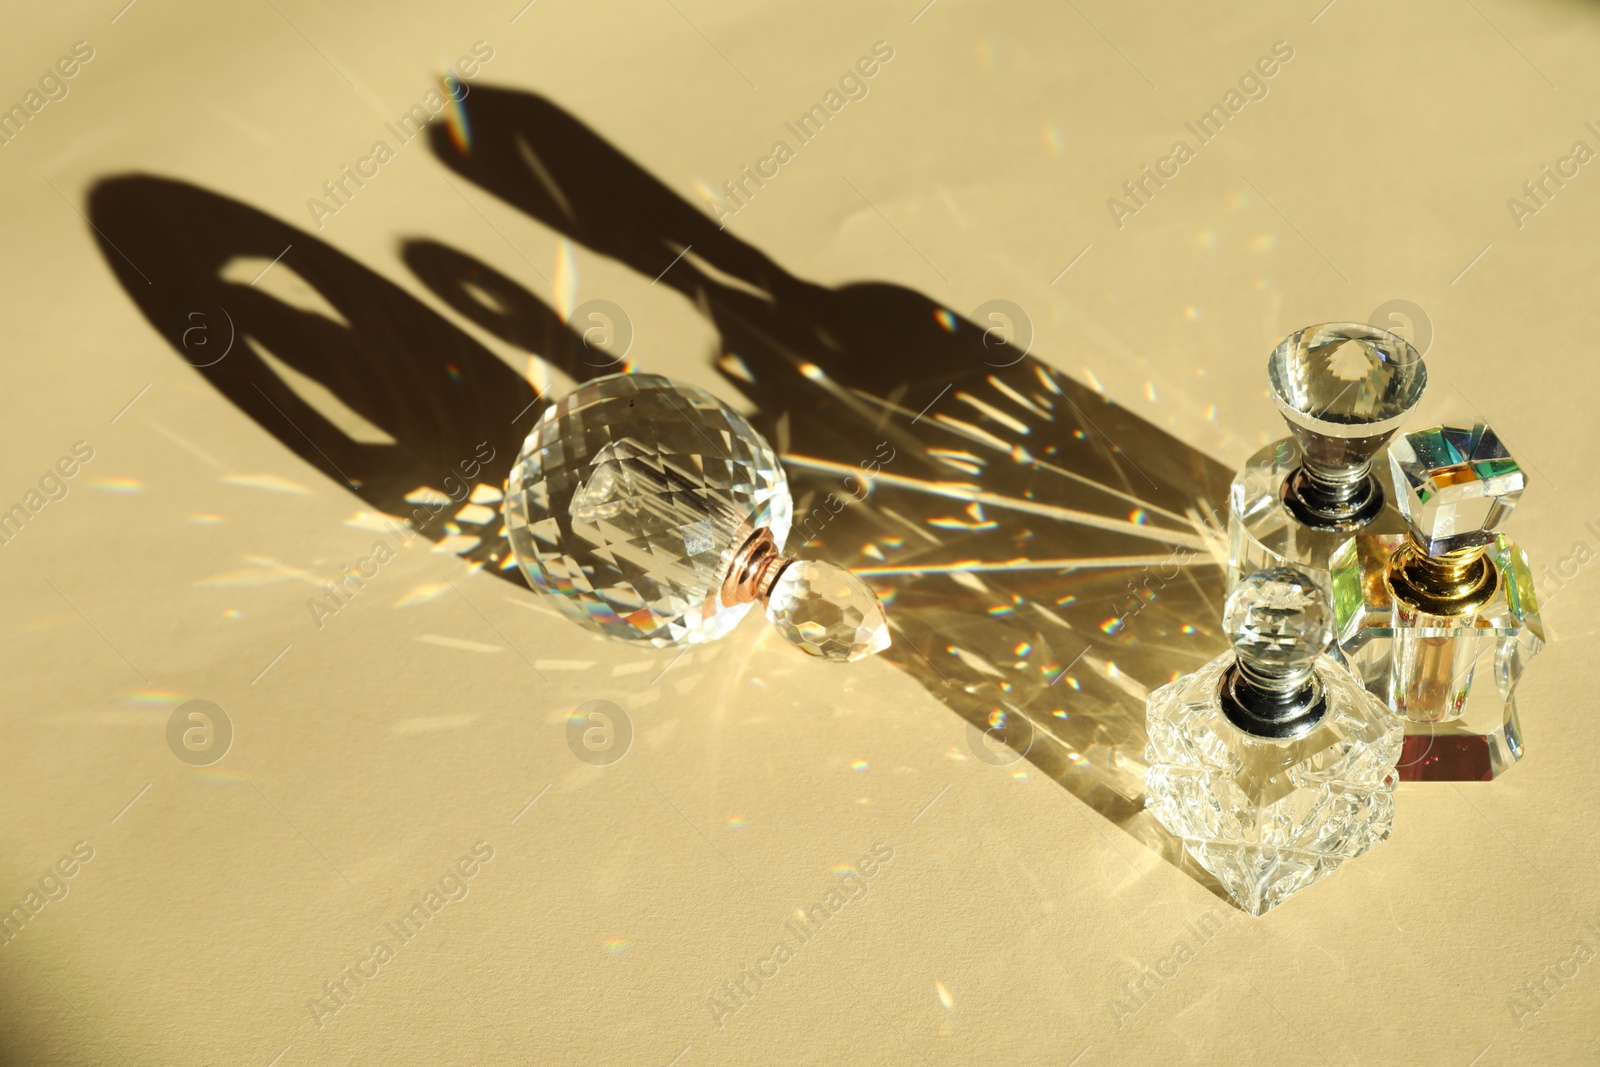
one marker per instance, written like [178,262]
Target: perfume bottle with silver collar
[1271,762]
[1344,389]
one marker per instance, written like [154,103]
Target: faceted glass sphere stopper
[629,500]
[1279,623]
[1344,389]
[1346,380]
[828,612]
[1457,486]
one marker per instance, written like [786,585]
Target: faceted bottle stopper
[828,612]
[823,610]
[1344,388]
[1279,623]
[1457,485]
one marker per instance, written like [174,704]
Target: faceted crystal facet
[827,612]
[629,500]
[1453,678]
[1278,622]
[1269,817]
[1343,383]
[1457,485]
[1262,532]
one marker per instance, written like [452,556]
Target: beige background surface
[382,747]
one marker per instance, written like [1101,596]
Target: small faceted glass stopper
[1456,485]
[1279,623]
[827,612]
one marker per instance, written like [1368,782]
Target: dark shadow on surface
[187,256]
[1048,557]
[483,296]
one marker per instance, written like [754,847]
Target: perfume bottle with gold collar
[1440,622]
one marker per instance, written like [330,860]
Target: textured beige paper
[423,726]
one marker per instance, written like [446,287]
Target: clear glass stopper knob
[1279,623]
[827,612]
[1344,388]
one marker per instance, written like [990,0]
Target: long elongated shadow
[1048,557]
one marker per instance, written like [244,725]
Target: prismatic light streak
[979,566]
[1016,451]
[972,494]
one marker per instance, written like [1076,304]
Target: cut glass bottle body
[1269,817]
[631,497]
[1452,678]
[1271,762]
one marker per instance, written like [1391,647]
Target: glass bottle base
[1269,817]
[1450,752]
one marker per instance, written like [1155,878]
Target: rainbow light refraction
[456,120]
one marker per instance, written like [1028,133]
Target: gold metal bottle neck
[1456,583]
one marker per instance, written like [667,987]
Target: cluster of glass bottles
[1379,618]
[1430,619]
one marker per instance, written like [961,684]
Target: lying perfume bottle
[1440,622]
[1271,762]
[651,511]
[1344,389]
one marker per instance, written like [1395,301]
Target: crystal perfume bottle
[1439,622]
[653,512]
[1344,389]
[1271,762]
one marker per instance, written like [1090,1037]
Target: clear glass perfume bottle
[1271,762]
[1344,389]
[650,511]
[1440,622]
